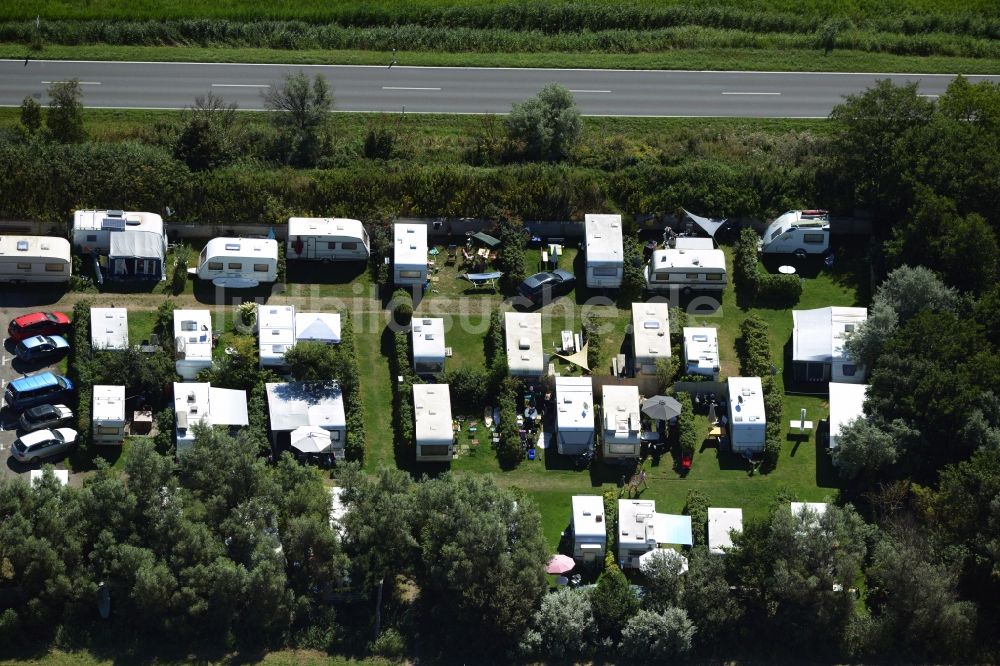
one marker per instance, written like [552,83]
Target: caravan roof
[294,404]
[701,348]
[693,243]
[49,247]
[640,525]
[818,335]
[198,402]
[746,400]
[705,259]
[109,328]
[621,413]
[117,220]
[847,402]
[248,248]
[604,238]
[523,331]
[195,327]
[651,330]
[276,327]
[575,403]
[432,412]
[109,403]
[588,516]
[721,522]
[325,226]
[428,338]
[410,244]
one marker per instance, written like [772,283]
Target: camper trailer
[721,525]
[327,239]
[641,529]
[818,339]
[203,403]
[523,331]
[798,232]
[428,345]
[409,265]
[276,328]
[605,251]
[320,404]
[701,351]
[192,342]
[747,420]
[650,336]
[590,529]
[109,415]
[239,263]
[574,415]
[93,229]
[692,265]
[621,423]
[108,328]
[34,259]
[435,438]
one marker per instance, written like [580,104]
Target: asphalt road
[459,90]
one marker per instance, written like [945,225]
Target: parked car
[42,444]
[38,347]
[45,416]
[37,390]
[38,323]
[543,287]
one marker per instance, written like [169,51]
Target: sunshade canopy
[707,225]
[486,239]
[310,439]
[661,407]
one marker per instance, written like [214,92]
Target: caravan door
[310,247]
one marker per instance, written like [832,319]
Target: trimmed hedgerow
[755,361]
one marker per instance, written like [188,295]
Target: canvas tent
[317,327]
[847,403]
[721,524]
[136,255]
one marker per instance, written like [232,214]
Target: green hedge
[402,398]
[754,350]
[354,447]
[79,372]
[509,451]
[593,338]
[495,343]
[687,426]
[755,286]
[697,507]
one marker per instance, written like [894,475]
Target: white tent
[317,327]
[311,439]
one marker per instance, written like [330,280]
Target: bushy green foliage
[613,602]
[178,278]
[207,137]
[31,115]
[657,637]
[593,338]
[687,426]
[65,117]
[302,114]
[509,451]
[402,307]
[633,275]
[495,343]
[547,126]
[754,351]
[696,506]
[510,260]
[755,286]
[563,628]
[402,397]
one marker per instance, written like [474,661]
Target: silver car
[43,444]
[45,416]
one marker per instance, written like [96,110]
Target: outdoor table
[567,341]
[716,432]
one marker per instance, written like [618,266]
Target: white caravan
[523,332]
[108,426]
[605,251]
[721,525]
[574,415]
[327,239]
[435,438]
[409,266]
[92,229]
[276,331]
[701,351]
[650,336]
[747,421]
[590,529]
[192,342]
[428,345]
[622,423]
[799,233]
[692,265]
[239,263]
[34,259]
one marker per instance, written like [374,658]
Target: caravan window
[348,246]
[215,265]
[409,274]
[816,239]
[24,267]
[335,435]
[260,268]
[235,266]
[777,232]
[331,246]
[714,276]
[606,272]
[848,370]
[691,276]
[54,268]
[661,277]
[108,430]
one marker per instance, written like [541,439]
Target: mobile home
[523,331]
[327,239]
[641,529]
[701,351]
[621,409]
[108,425]
[605,251]
[590,529]
[276,328]
[108,328]
[428,345]
[93,229]
[409,266]
[35,259]
[321,327]
[650,335]
[818,338]
[197,402]
[239,263]
[747,420]
[192,342]
[721,525]
[435,438]
[847,404]
[291,405]
[574,415]
[693,265]
[798,232]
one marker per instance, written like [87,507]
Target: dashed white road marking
[751,93]
[406,88]
[241,85]
[590,91]
[82,83]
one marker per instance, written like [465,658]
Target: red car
[38,323]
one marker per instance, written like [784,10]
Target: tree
[315,361]
[513,238]
[207,137]
[865,447]
[65,117]
[710,604]
[31,115]
[563,628]
[652,636]
[302,116]
[480,553]
[547,126]
[614,602]
[663,580]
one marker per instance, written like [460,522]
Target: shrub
[634,274]
[31,115]
[696,506]
[354,447]
[470,388]
[390,644]
[547,126]
[405,428]
[658,637]
[509,451]
[513,238]
[179,277]
[686,426]
[746,278]
[402,307]
[282,265]
[593,338]
[65,117]
[613,602]
[495,343]
[779,290]
[666,371]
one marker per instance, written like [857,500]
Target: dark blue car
[41,346]
[543,287]
[38,390]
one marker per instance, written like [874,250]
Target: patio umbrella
[560,564]
[661,407]
[311,439]
[666,553]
